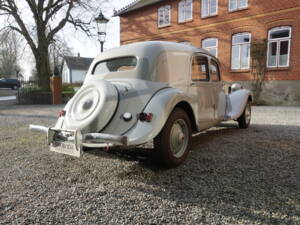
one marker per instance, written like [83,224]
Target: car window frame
[218,69]
[134,56]
[207,80]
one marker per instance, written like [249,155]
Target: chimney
[78,54]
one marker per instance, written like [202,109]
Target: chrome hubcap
[179,138]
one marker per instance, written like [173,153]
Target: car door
[201,90]
[219,97]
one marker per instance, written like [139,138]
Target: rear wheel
[245,118]
[15,87]
[174,141]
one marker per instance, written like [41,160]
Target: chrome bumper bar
[86,140]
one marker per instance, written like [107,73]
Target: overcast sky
[79,43]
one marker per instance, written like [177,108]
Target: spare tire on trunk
[92,107]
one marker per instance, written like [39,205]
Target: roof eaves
[131,7]
[126,8]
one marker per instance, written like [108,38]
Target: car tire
[15,87]
[245,118]
[174,141]
[92,107]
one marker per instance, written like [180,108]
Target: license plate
[67,148]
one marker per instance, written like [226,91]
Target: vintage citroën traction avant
[146,91]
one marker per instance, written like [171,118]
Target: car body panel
[236,103]
[161,106]
[159,81]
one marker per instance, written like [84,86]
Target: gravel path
[232,176]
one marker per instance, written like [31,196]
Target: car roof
[149,48]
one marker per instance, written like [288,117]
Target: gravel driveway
[232,176]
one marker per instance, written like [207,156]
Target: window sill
[278,68]
[185,21]
[240,71]
[237,10]
[163,26]
[207,17]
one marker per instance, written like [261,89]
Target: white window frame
[185,19]
[278,41]
[164,16]
[209,6]
[238,7]
[208,48]
[240,44]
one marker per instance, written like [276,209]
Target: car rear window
[115,65]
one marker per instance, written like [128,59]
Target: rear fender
[161,105]
[236,103]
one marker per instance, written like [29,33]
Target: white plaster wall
[65,74]
[78,76]
[285,92]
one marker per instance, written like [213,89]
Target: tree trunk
[43,67]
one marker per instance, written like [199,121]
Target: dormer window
[164,16]
[185,10]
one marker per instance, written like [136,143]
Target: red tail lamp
[61,113]
[147,117]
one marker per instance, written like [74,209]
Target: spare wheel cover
[92,106]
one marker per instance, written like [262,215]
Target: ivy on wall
[258,69]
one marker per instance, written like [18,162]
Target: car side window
[214,71]
[200,69]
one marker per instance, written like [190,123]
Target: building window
[185,10]
[279,43]
[200,68]
[237,4]
[209,8]
[211,45]
[164,16]
[240,56]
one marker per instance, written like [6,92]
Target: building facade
[228,29]
[75,69]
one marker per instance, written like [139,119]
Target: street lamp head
[101,21]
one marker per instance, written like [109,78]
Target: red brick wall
[261,15]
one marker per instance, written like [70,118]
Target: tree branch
[62,23]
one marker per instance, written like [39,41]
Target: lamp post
[101,26]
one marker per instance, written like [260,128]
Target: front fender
[236,103]
[161,105]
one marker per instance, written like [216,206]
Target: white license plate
[67,148]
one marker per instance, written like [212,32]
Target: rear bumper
[79,139]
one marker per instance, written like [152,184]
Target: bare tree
[58,50]
[49,17]
[9,54]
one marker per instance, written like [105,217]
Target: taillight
[147,117]
[61,113]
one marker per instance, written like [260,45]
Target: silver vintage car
[146,91]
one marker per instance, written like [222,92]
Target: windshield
[115,65]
